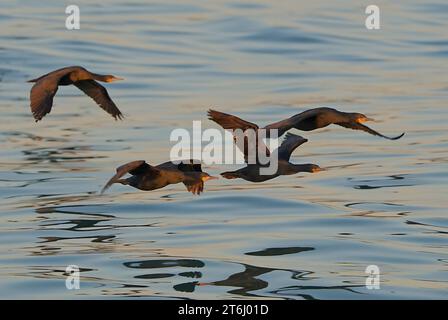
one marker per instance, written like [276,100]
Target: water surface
[297,237]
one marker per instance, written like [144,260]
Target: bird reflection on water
[253,64]
[247,282]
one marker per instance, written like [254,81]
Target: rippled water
[306,236]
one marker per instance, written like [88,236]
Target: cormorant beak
[115,79]
[317,169]
[209,178]
[361,120]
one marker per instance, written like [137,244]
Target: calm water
[297,237]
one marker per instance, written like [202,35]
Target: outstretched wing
[99,94]
[186,165]
[41,97]
[134,168]
[230,122]
[288,146]
[359,126]
[227,121]
[44,90]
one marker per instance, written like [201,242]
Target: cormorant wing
[281,127]
[99,94]
[288,146]
[41,96]
[56,75]
[134,168]
[359,126]
[194,185]
[230,122]
[44,90]
[186,165]
[245,148]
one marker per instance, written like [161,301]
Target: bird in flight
[46,86]
[146,177]
[252,171]
[306,121]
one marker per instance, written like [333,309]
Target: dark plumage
[252,171]
[46,86]
[147,177]
[306,121]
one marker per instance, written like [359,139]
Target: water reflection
[63,154]
[379,203]
[279,251]
[32,136]
[389,182]
[168,263]
[380,209]
[301,291]
[246,281]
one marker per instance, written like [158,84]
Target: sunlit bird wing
[359,126]
[41,97]
[44,90]
[230,122]
[99,94]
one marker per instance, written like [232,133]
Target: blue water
[308,236]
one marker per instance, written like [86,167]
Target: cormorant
[252,171]
[46,86]
[146,177]
[306,121]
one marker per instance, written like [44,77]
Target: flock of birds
[144,176]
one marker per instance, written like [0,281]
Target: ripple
[168,263]
[304,237]
[279,251]
[282,35]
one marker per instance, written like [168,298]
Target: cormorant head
[205,177]
[311,167]
[111,78]
[360,118]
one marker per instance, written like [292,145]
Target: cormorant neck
[301,167]
[99,77]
